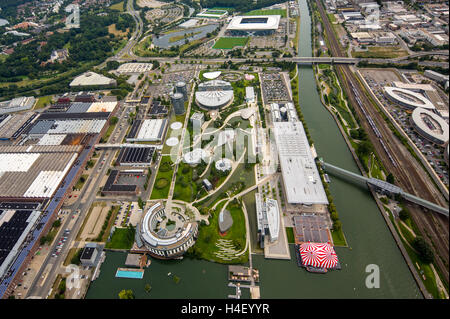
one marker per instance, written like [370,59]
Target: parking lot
[433,153]
[274,88]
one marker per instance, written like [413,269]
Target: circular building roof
[195,156]
[431,125]
[172,141]
[212,75]
[163,239]
[408,98]
[176,125]
[214,94]
[223,164]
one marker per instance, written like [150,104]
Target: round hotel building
[164,241]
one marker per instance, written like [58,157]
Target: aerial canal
[368,237]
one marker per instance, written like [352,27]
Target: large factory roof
[300,175]
[408,98]
[431,124]
[252,23]
[151,130]
[68,127]
[33,175]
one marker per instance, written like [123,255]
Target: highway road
[396,159]
[50,268]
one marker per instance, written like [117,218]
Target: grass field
[290,235]
[43,102]
[165,172]
[381,52]
[209,235]
[230,43]
[117,6]
[122,238]
[281,12]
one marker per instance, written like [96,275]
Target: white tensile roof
[272,23]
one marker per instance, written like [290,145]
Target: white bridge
[384,187]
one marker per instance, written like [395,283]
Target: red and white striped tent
[319,255]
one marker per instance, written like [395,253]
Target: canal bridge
[384,187]
[324,60]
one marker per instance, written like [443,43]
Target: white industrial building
[17,104]
[151,130]
[430,125]
[92,79]
[268,219]
[302,182]
[408,98]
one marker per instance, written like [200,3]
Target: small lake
[164,40]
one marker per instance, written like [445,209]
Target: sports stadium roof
[253,23]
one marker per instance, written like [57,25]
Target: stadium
[165,235]
[253,25]
[430,125]
[214,94]
[408,98]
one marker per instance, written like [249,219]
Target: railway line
[395,158]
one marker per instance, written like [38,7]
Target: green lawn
[338,238]
[290,235]
[205,247]
[185,187]
[117,6]
[83,178]
[165,173]
[122,238]
[230,43]
[381,52]
[43,102]
[281,12]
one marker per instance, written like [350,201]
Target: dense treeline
[90,44]
[9,8]
[239,5]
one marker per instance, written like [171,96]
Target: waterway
[369,239]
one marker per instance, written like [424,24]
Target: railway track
[395,158]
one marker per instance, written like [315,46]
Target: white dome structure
[172,141]
[195,157]
[214,94]
[176,125]
[223,164]
[212,75]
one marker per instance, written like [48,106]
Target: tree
[126,294]
[424,251]
[140,203]
[148,288]
[390,178]
[404,214]
[337,225]
[113,120]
